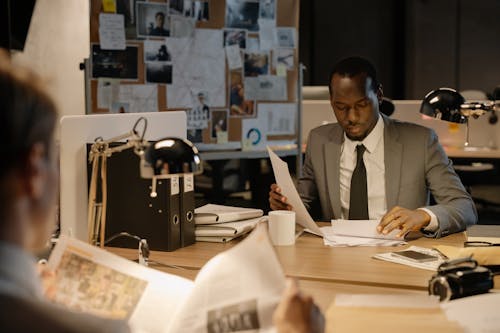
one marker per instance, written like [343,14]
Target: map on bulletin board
[232,65]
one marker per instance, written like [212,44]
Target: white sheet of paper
[334,240]
[111,31]
[281,118]
[181,26]
[198,65]
[267,34]
[252,44]
[107,92]
[285,182]
[266,88]
[484,318]
[233,55]
[286,37]
[361,228]
[140,97]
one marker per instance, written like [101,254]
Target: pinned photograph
[219,123]
[127,9]
[256,63]
[235,37]
[156,50]
[243,14]
[198,116]
[267,9]
[158,72]
[152,19]
[286,37]
[196,9]
[237,104]
[119,64]
[284,57]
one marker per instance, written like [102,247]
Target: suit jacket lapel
[332,151]
[393,153]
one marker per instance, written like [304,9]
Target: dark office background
[417,45]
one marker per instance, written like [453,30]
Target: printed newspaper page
[95,281]
[237,290]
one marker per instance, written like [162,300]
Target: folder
[187,209]
[211,214]
[172,215]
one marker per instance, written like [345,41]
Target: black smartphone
[414,256]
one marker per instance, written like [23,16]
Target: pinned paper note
[112,31]
[233,55]
[281,70]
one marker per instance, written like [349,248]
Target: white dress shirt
[375,175]
[375,171]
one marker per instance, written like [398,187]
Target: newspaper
[236,290]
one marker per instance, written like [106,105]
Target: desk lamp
[158,160]
[447,104]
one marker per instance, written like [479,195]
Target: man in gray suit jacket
[28,186]
[403,164]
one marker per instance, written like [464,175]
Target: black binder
[172,198]
[187,209]
[131,209]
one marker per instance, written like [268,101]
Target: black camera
[459,278]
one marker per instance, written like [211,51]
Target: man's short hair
[27,116]
[353,66]
[160,14]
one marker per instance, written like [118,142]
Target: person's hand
[297,313]
[403,219]
[48,278]
[277,201]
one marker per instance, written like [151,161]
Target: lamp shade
[171,156]
[444,104]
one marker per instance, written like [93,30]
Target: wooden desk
[323,271]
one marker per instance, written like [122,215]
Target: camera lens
[439,286]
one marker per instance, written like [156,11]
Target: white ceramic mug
[282,227]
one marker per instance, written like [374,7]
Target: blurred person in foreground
[28,188]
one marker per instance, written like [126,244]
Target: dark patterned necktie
[358,204]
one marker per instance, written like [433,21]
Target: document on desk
[242,286]
[285,182]
[484,317]
[359,233]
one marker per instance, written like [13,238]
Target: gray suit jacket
[415,166]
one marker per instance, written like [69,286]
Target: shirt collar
[372,140]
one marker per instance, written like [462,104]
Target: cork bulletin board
[230,64]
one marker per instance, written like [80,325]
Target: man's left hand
[403,219]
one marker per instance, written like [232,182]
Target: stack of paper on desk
[241,286]
[219,223]
[358,233]
[224,232]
